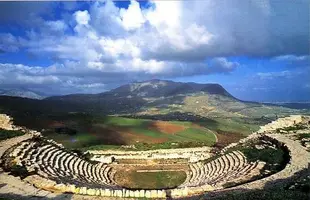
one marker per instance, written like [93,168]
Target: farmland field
[79,131]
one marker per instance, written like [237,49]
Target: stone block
[137,194]
[76,191]
[83,190]
[147,194]
[71,188]
[126,193]
[119,193]
[154,194]
[184,192]
[107,193]
[142,193]
[91,192]
[161,194]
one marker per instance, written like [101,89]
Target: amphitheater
[50,170]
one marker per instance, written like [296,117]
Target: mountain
[155,99]
[160,88]
[22,93]
[151,89]
[135,97]
[159,97]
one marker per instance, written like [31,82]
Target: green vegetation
[292,128]
[235,125]
[20,171]
[79,140]
[150,180]
[273,157]
[122,121]
[195,134]
[304,135]
[96,132]
[6,134]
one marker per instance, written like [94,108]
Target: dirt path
[208,130]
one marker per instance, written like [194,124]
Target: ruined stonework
[6,122]
[192,154]
[51,168]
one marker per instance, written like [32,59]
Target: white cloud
[274,75]
[57,25]
[9,43]
[166,39]
[222,65]
[132,18]
[82,17]
[291,58]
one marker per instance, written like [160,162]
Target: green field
[88,131]
[106,132]
[6,134]
[150,180]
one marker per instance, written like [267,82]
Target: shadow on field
[12,196]
[273,190]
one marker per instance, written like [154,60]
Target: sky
[256,49]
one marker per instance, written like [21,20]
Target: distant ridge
[160,99]
[156,88]
[21,93]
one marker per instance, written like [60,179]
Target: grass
[268,155]
[78,141]
[122,121]
[195,134]
[275,158]
[235,125]
[150,180]
[6,134]
[105,132]
[147,132]
[304,135]
[292,128]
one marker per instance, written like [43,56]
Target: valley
[145,115]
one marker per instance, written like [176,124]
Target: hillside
[22,93]
[208,104]
[161,98]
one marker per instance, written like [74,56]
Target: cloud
[76,76]
[9,43]
[222,65]
[103,44]
[291,61]
[132,18]
[291,58]
[82,17]
[57,25]
[273,75]
[281,86]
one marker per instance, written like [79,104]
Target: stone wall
[104,192]
[299,160]
[6,122]
[192,154]
[284,122]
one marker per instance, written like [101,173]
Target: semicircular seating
[226,168]
[53,162]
